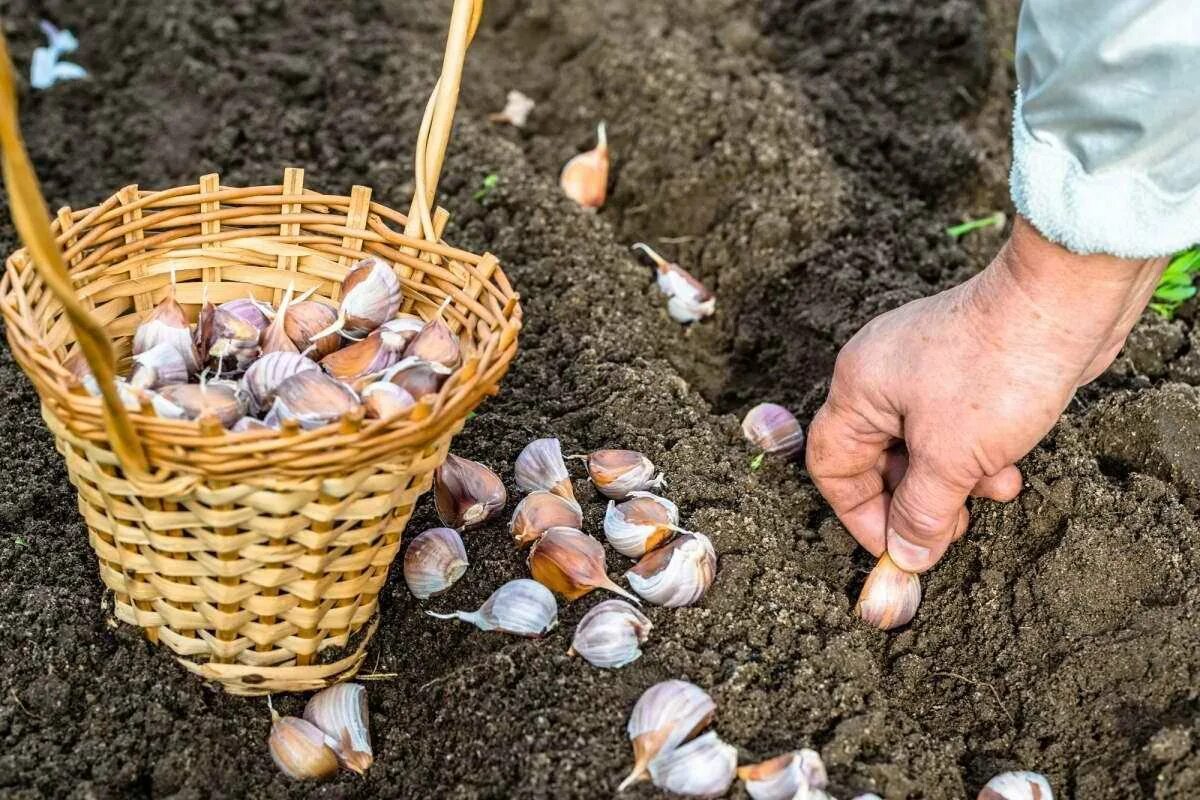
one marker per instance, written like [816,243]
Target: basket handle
[434,134]
[28,208]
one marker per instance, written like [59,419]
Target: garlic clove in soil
[300,749]
[664,717]
[222,400]
[263,377]
[640,524]
[384,400]
[434,562]
[539,512]
[160,365]
[570,562]
[466,493]
[304,321]
[688,300]
[313,399]
[370,297]
[516,110]
[340,712]
[610,635]
[773,430]
[521,607]
[1017,786]
[677,574]
[617,473]
[540,466]
[436,343]
[369,356]
[868,796]
[702,768]
[785,777]
[416,377]
[890,596]
[167,323]
[584,178]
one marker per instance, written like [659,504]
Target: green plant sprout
[490,181]
[956,231]
[757,461]
[1175,286]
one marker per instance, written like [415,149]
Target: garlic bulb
[1017,786]
[540,466]
[664,717]
[340,712]
[610,635]
[304,321]
[384,399]
[466,493]
[616,473]
[167,323]
[516,110]
[158,366]
[436,343]
[584,178]
[313,399]
[688,300]
[264,376]
[369,356]
[300,749]
[370,297]
[640,524]
[434,562]
[521,607]
[571,563]
[702,768]
[220,399]
[890,596]
[416,377]
[774,430]
[785,777]
[539,512]
[675,575]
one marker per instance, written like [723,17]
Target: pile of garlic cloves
[333,732]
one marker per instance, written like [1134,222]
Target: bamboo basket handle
[434,134]
[32,221]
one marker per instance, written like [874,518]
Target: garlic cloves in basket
[521,607]
[890,596]
[356,360]
[571,563]
[664,717]
[466,493]
[617,473]
[384,400]
[540,466]
[167,323]
[340,712]
[539,512]
[688,300]
[703,768]
[313,399]
[610,635]
[584,178]
[263,377]
[222,400]
[436,343]
[160,365]
[370,297]
[303,324]
[677,574]
[416,376]
[434,562]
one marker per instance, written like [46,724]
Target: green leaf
[490,181]
[1175,294]
[757,461]
[955,231]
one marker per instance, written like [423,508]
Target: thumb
[926,513]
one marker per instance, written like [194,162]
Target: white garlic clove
[617,473]
[540,466]
[303,324]
[222,400]
[370,297]
[233,345]
[785,777]
[436,343]
[516,110]
[340,712]
[274,338]
[868,796]
[399,332]
[521,607]
[417,377]
[246,424]
[202,332]
[263,377]
[774,430]
[570,562]
[640,524]
[312,399]
[539,512]
[610,635]
[664,717]
[434,562]
[677,574]
[249,310]
[890,596]
[167,323]
[687,299]
[384,400]
[466,493]
[359,359]
[584,178]
[129,396]
[1017,786]
[160,365]
[702,768]
[300,749]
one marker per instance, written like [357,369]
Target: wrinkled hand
[937,400]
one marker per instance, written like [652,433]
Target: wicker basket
[257,557]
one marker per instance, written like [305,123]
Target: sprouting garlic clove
[304,322]
[369,356]
[890,596]
[436,343]
[640,524]
[570,562]
[384,400]
[233,345]
[521,608]
[264,376]
[274,338]
[466,493]
[416,376]
[222,400]
[313,399]
[610,635]
[160,365]
[785,777]
[434,561]
[516,110]
[688,300]
[167,323]
[300,749]
[540,466]
[677,574]
[370,297]
[617,473]
[773,430]
[540,511]
[584,178]
[1017,786]
[664,717]
[340,712]
[703,768]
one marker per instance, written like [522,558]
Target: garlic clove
[80,373]
[466,493]
[233,345]
[360,359]
[616,473]
[436,343]
[539,512]
[516,110]
[702,768]
[890,596]
[417,377]
[304,321]
[540,466]
[384,400]
[371,296]
[610,635]
[264,376]
[399,332]
[688,300]
[774,430]
[167,323]
[274,338]
[248,310]
[868,796]
[677,574]
[521,607]
[300,749]
[664,717]
[222,400]
[584,178]
[202,332]
[1017,786]
[434,562]
[785,777]
[160,365]
[313,399]
[246,424]
[570,562]
[340,712]
[640,524]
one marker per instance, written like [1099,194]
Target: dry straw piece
[257,557]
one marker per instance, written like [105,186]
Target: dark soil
[802,157]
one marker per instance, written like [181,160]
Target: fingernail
[908,556]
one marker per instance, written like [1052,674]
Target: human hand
[968,381]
